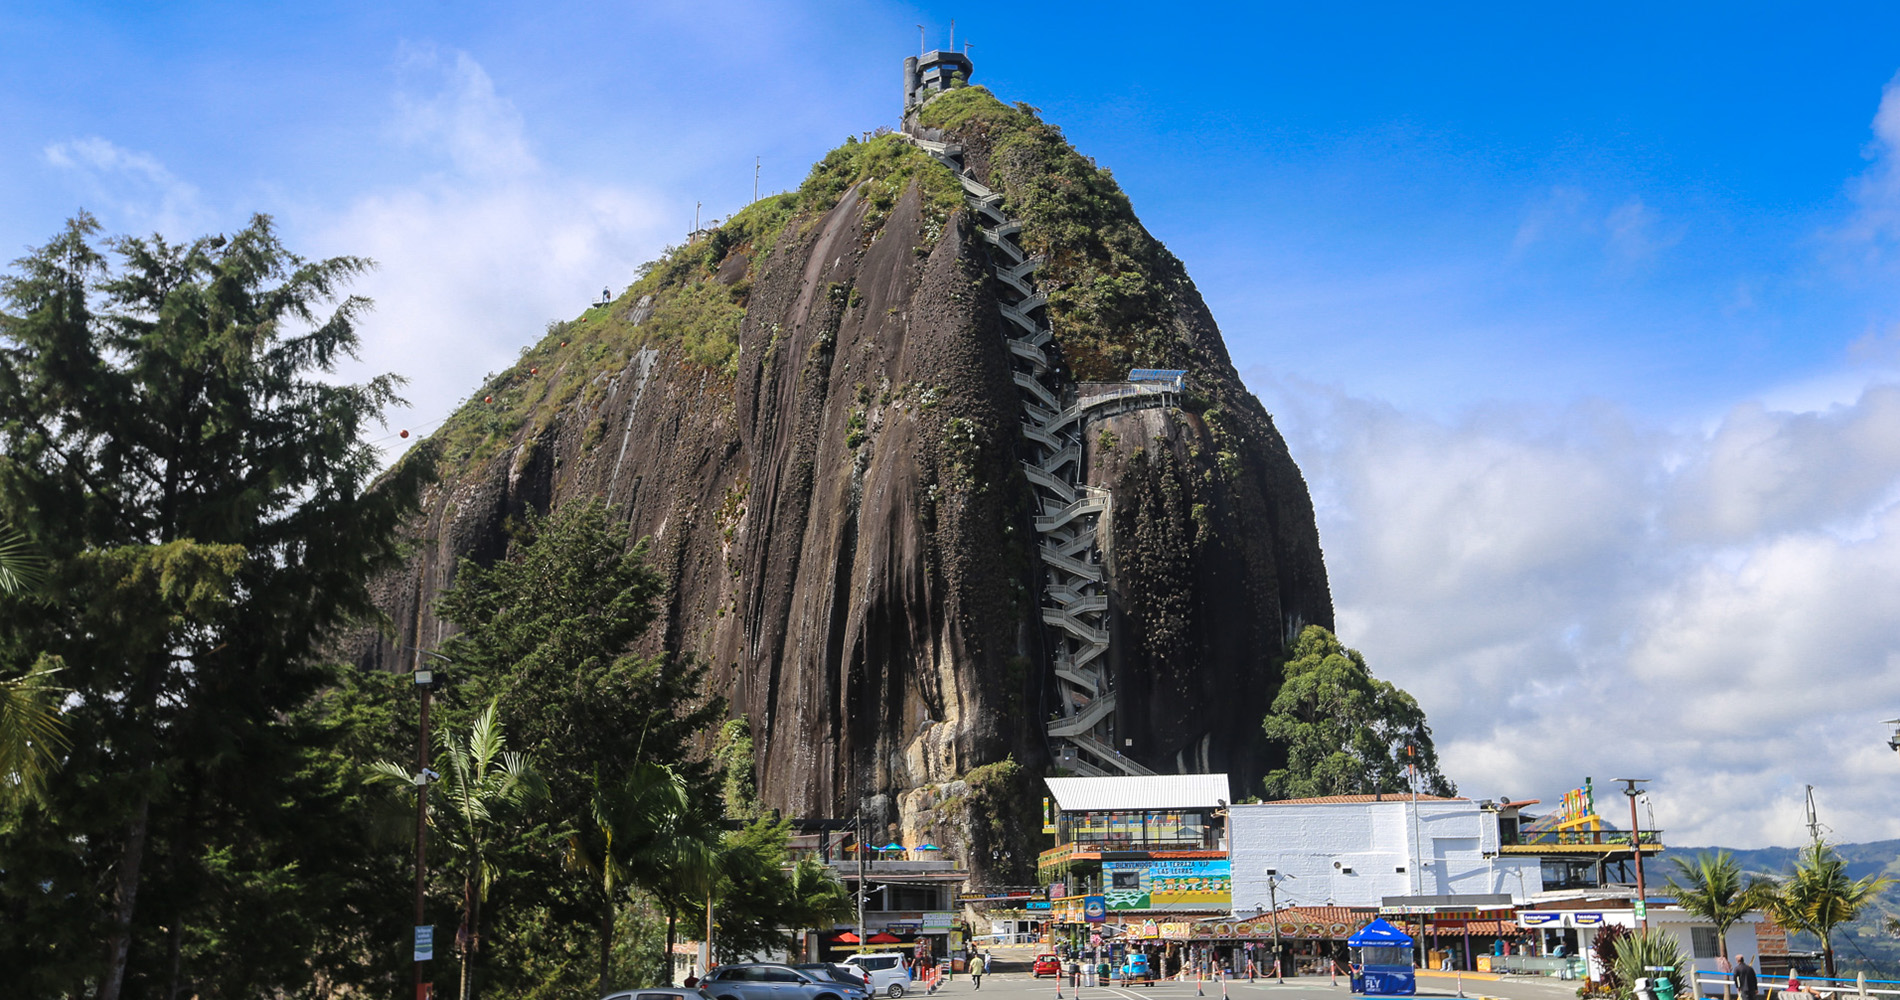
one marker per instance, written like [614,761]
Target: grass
[1112,287]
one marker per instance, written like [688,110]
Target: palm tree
[32,733]
[1712,887]
[481,791]
[1818,896]
[632,835]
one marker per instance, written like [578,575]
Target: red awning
[846,938]
[881,938]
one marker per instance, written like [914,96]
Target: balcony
[1581,842]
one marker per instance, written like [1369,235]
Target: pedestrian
[976,969]
[1745,982]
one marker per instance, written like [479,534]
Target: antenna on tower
[922,45]
[1815,826]
[953,35]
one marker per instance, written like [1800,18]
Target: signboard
[1540,918]
[425,943]
[938,920]
[1168,885]
[1642,909]
[1094,909]
[1040,904]
[1048,815]
[1580,919]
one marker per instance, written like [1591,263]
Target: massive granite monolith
[818,412]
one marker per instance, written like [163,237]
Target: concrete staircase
[1070,513]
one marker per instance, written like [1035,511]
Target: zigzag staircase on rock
[1069,512]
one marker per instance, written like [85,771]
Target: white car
[884,971]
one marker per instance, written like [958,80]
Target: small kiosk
[1382,961]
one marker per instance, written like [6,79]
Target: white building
[1356,850]
[1575,918]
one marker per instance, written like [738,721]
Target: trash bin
[1664,988]
[1642,989]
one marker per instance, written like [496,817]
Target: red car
[1047,965]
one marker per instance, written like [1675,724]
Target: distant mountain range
[1863,944]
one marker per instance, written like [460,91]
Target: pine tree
[200,492]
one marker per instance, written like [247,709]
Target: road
[1012,981]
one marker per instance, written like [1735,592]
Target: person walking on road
[976,969]
[1745,982]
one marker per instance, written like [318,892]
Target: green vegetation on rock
[1112,287]
[699,292]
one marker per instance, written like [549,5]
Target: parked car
[770,981]
[843,975]
[885,970]
[659,993]
[1047,965]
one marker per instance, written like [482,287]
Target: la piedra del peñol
[945,464]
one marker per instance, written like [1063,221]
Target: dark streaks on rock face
[837,505]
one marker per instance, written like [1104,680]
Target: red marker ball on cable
[534,371]
[488,399]
[405,433]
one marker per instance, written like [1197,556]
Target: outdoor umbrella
[892,846]
[881,938]
[926,847]
[846,938]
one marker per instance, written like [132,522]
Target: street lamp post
[425,685]
[1636,848]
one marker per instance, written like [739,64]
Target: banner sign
[1094,909]
[938,921]
[1168,885]
[1540,918]
[425,943]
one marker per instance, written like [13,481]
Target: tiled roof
[1155,791]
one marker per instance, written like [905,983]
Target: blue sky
[1583,324]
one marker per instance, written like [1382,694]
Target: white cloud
[1571,593]
[480,249]
[135,187]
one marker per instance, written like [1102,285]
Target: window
[731,975]
[659,996]
[781,976]
[1702,941]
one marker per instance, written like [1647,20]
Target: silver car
[770,981]
[658,993]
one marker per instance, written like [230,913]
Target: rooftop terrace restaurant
[1149,847]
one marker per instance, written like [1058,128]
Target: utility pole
[1636,848]
[1273,901]
[425,684]
[755,176]
[857,825]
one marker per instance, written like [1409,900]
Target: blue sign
[425,943]
[1040,904]
[1095,909]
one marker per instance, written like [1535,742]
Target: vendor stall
[1382,961]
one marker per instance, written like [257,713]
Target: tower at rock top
[933,73]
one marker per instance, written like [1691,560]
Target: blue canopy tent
[1382,961]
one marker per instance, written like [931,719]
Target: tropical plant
[32,733]
[1605,948]
[640,829]
[1712,886]
[1642,954]
[1817,896]
[480,794]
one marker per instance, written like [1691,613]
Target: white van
[884,971]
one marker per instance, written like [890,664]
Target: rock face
[810,411]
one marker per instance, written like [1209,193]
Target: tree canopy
[1343,731]
[197,486]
